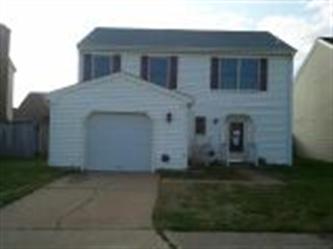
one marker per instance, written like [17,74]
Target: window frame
[93,73]
[92,64]
[257,84]
[197,129]
[168,74]
[238,73]
[219,82]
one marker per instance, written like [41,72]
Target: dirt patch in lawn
[303,203]
[221,175]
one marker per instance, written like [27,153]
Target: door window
[236,137]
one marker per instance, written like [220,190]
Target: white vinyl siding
[270,110]
[70,112]
[313,104]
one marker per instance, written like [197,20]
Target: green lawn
[19,177]
[303,204]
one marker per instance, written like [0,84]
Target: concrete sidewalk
[96,210]
[220,240]
[80,239]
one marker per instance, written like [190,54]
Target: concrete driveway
[95,210]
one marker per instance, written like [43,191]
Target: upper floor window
[228,74]
[95,66]
[249,74]
[235,73]
[160,70]
[102,66]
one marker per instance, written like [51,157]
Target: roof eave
[101,48]
[132,78]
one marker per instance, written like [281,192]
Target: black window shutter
[144,67]
[173,72]
[263,74]
[87,68]
[214,66]
[116,63]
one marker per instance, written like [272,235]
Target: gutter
[170,49]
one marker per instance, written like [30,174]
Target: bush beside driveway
[303,204]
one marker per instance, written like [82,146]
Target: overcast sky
[45,32]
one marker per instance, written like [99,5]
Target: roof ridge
[181,29]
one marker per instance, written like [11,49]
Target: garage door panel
[119,142]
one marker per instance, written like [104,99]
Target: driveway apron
[93,210]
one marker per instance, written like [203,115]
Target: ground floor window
[200,125]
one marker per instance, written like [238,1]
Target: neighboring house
[150,99]
[313,103]
[7,70]
[35,107]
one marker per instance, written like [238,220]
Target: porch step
[236,160]
[239,163]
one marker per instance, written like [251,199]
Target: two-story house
[149,99]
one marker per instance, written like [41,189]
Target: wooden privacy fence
[18,139]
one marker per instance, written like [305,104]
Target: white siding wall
[69,114]
[270,111]
[313,104]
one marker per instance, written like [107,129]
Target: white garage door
[120,142]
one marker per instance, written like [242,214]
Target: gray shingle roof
[108,38]
[35,106]
[328,39]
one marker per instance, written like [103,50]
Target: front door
[236,137]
